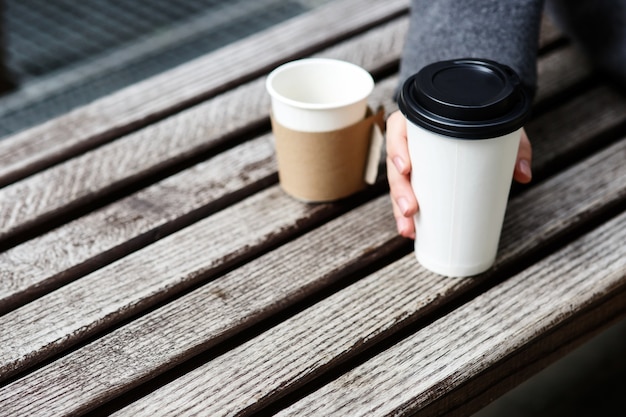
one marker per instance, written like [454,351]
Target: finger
[401,191]
[397,147]
[523,170]
[398,170]
[404,224]
[402,200]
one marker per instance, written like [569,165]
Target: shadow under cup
[322,127]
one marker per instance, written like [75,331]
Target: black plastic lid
[466,98]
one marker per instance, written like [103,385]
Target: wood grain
[583,191]
[194,254]
[462,346]
[59,256]
[202,318]
[82,179]
[68,252]
[582,120]
[294,352]
[301,348]
[139,300]
[187,84]
[141,154]
[458,360]
[558,71]
[65,240]
[67,255]
[111,167]
[117,114]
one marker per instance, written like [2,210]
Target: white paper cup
[462,188]
[319,94]
[464,127]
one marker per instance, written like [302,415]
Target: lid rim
[504,113]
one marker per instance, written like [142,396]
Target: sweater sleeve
[503,31]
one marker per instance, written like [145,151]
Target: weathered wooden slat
[300,348]
[605,178]
[214,311]
[50,260]
[558,70]
[115,165]
[138,219]
[549,32]
[23,275]
[108,295]
[110,167]
[134,106]
[504,329]
[554,344]
[389,40]
[59,139]
[376,48]
[382,87]
[581,120]
[136,377]
[115,227]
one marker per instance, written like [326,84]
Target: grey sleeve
[503,31]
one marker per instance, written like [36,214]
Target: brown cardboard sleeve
[324,166]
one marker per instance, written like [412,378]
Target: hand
[399,168]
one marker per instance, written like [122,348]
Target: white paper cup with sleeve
[464,121]
[321,127]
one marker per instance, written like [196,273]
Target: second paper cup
[321,126]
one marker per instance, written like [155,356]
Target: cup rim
[318,106]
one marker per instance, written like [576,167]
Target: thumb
[523,172]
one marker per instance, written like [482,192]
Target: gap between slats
[537,301]
[269,385]
[383,95]
[141,218]
[513,251]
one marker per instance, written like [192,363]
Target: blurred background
[60,54]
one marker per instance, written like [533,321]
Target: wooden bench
[151,265]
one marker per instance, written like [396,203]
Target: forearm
[503,31]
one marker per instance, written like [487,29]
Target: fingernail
[524,167]
[404,205]
[399,163]
[403,226]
